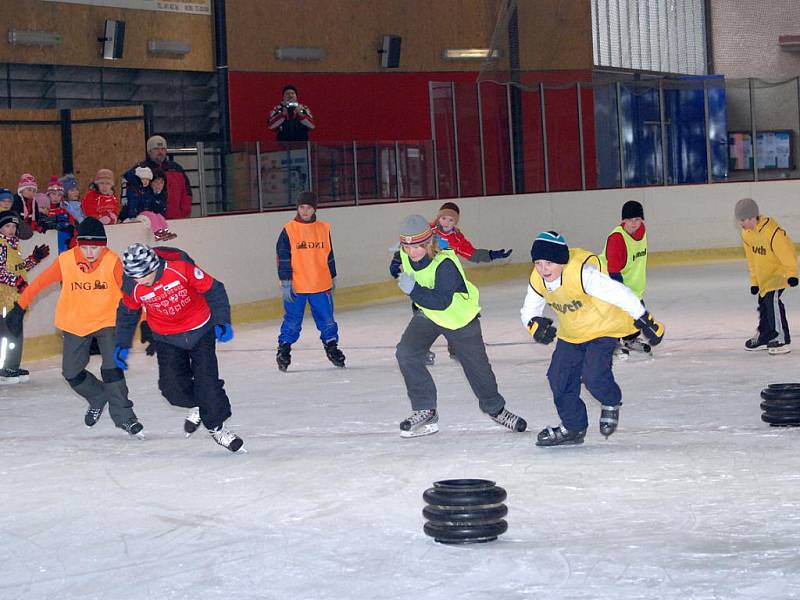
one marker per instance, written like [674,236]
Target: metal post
[753,132]
[355,170]
[709,166]
[663,124]
[258,178]
[480,140]
[455,137]
[201,179]
[397,169]
[433,140]
[580,135]
[618,87]
[310,171]
[511,142]
[544,139]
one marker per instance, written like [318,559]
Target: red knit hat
[27,181]
[54,185]
[104,175]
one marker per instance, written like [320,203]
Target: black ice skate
[8,377]
[420,422]
[92,416]
[560,436]
[23,374]
[508,419]
[134,429]
[333,353]
[609,419]
[284,356]
[755,343]
[227,439]
[192,421]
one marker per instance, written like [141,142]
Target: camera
[292,104]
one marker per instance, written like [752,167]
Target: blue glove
[288,293]
[498,254]
[395,267]
[406,282]
[121,357]
[223,332]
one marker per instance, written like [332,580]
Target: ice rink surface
[693,497]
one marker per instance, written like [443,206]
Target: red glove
[20,284]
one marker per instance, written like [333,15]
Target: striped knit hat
[55,186]
[27,180]
[550,246]
[414,230]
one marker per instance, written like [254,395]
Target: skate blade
[425,430]
[776,351]
[137,436]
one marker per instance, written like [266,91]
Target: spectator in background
[179,191]
[291,119]
[25,206]
[72,197]
[100,201]
[141,194]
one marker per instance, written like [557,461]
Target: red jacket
[617,251]
[457,241]
[104,207]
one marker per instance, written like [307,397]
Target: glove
[394,268]
[288,293]
[406,282]
[754,289]
[121,357]
[41,252]
[652,330]
[147,338]
[542,330]
[792,281]
[14,320]
[66,228]
[20,283]
[224,332]
[498,254]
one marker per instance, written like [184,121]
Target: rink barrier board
[46,346]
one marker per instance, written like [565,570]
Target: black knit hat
[91,232]
[309,198]
[632,210]
[550,246]
[9,216]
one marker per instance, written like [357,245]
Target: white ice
[693,497]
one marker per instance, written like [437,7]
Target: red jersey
[175,302]
[456,240]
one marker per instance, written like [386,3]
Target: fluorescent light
[174,47]
[33,38]
[300,53]
[469,53]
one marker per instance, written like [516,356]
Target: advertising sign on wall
[193,7]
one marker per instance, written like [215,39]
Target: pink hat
[104,175]
[27,181]
[55,186]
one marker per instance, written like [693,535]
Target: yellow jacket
[771,256]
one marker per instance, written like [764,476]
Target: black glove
[66,228]
[41,252]
[792,281]
[498,254]
[754,289]
[20,283]
[395,266]
[652,330]
[147,338]
[542,330]
[14,320]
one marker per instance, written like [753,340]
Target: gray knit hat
[415,229]
[746,208]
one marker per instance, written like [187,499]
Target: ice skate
[227,439]
[92,416]
[23,374]
[609,419]
[164,235]
[333,353]
[755,343]
[778,348]
[192,421]
[284,356]
[621,352]
[509,420]
[420,422]
[430,358]
[8,377]
[134,429]
[560,436]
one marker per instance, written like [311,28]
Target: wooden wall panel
[80,26]
[31,148]
[555,35]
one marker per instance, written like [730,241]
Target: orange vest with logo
[311,245]
[88,301]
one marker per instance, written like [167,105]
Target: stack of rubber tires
[781,404]
[465,511]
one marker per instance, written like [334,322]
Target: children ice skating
[592,316]
[446,228]
[448,306]
[772,262]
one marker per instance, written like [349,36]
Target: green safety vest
[635,272]
[464,307]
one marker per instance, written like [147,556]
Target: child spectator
[144,204]
[772,262]
[58,217]
[13,281]
[72,197]
[26,207]
[91,277]
[445,228]
[100,202]
[6,199]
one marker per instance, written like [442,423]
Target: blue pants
[589,363]
[322,311]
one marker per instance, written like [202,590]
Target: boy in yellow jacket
[772,262]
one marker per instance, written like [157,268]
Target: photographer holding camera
[292,119]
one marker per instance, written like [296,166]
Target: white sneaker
[227,439]
[192,421]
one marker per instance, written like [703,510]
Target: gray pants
[469,349]
[112,389]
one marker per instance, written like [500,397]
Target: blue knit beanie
[551,246]
[5,194]
[69,182]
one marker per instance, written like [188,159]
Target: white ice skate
[192,421]
[228,439]
[420,422]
